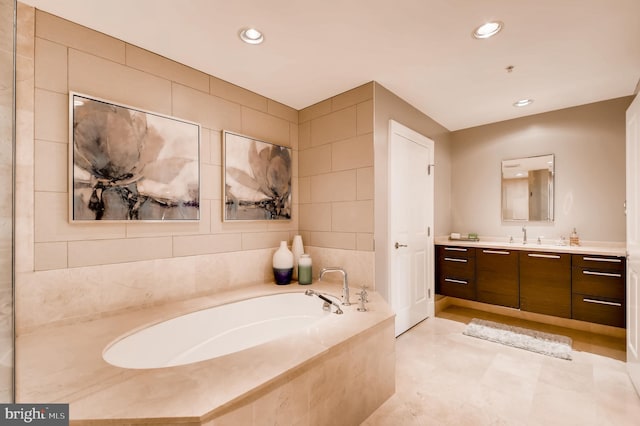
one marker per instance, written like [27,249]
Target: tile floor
[446,378]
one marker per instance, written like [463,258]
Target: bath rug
[535,341]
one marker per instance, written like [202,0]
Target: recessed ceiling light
[488,30]
[523,103]
[251,36]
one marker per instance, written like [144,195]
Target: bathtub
[216,331]
[298,378]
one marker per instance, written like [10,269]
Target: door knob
[398,245]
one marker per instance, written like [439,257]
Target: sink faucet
[524,235]
[345,283]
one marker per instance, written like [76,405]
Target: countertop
[586,247]
[64,364]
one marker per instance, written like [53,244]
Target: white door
[410,226]
[633,241]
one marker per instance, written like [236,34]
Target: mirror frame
[548,159]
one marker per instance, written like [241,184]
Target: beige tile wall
[77,271]
[69,57]
[336,171]
[6,203]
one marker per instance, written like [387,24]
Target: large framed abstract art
[257,179]
[127,164]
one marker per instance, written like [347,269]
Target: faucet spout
[524,235]
[345,282]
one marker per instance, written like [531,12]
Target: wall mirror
[527,189]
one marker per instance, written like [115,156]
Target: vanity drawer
[456,252]
[600,310]
[599,263]
[601,283]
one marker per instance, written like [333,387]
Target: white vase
[298,249]
[283,264]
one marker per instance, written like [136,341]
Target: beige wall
[336,171]
[389,106]
[78,270]
[589,147]
[6,199]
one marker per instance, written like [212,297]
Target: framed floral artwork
[127,164]
[257,179]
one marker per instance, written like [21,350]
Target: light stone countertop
[64,364]
[585,247]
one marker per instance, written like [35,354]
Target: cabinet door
[545,283]
[497,277]
[456,272]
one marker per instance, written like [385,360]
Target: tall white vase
[283,264]
[298,249]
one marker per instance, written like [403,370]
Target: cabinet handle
[602,274]
[455,249]
[545,256]
[451,280]
[601,259]
[495,252]
[453,259]
[601,302]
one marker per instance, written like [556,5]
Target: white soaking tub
[216,331]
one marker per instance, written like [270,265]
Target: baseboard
[605,330]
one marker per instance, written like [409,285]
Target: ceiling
[564,52]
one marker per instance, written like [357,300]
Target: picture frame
[127,164]
[257,178]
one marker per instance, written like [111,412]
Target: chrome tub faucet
[345,283]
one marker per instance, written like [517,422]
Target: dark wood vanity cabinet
[497,277]
[545,283]
[598,289]
[456,270]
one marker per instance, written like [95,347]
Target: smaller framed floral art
[256,179]
[127,164]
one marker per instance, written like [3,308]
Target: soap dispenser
[574,240]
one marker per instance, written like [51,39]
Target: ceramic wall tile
[52,172]
[206,244]
[315,217]
[280,110]
[338,186]
[315,161]
[365,117]
[101,252]
[67,33]
[334,126]
[211,112]
[51,66]
[237,94]
[152,63]
[52,116]
[352,153]
[99,77]
[352,97]
[352,216]
[265,127]
[315,111]
[365,179]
